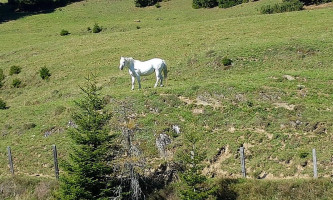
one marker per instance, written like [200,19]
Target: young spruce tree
[88,172]
[193,185]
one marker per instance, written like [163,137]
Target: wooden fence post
[55,159]
[242,157]
[10,159]
[315,173]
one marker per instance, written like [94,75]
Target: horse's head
[122,63]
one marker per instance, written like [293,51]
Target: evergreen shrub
[2,77]
[229,3]
[96,28]
[285,6]
[2,104]
[44,73]
[16,83]
[64,32]
[226,61]
[145,3]
[88,174]
[14,70]
[204,3]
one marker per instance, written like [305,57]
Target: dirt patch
[201,100]
[284,105]
[214,168]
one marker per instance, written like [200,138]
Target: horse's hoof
[162,85]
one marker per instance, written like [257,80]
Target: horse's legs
[133,81]
[158,78]
[161,77]
[139,81]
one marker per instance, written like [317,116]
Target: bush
[44,73]
[2,77]
[16,83]
[64,32]
[204,3]
[285,6]
[96,28]
[14,70]
[157,5]
[229,3]
[2,104]
[144,3]
[311,2]
[226,61]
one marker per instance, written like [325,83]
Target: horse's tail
[165,69]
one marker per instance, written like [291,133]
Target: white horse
[138,69]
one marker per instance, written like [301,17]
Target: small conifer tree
[193,184]
[88,172]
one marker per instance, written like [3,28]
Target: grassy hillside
[252,103]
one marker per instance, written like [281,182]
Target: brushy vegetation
[64,32]
[230,3]
[3,104]
[44,73]
[226,61]
[96,28]
[2,77]
[315,2]
[26,188]
[285,6]
[16,83]
[213,3]
[275,189]
[145,3]
[193,184]
[15,70]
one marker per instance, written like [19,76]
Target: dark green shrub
[96,28]
[2,75]
[14,70]
[311,2]
[64,32]
[285,6]
[226,61]
[16,83]
[193,184]
[229,3]
[204,3]
[29,126]
[303,154]
[144,3]
[44,73]
[2,104]
[157,5]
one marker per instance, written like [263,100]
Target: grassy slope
[263,47]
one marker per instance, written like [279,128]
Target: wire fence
[11,164]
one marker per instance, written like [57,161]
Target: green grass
[263,48]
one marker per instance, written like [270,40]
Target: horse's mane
[130,59]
